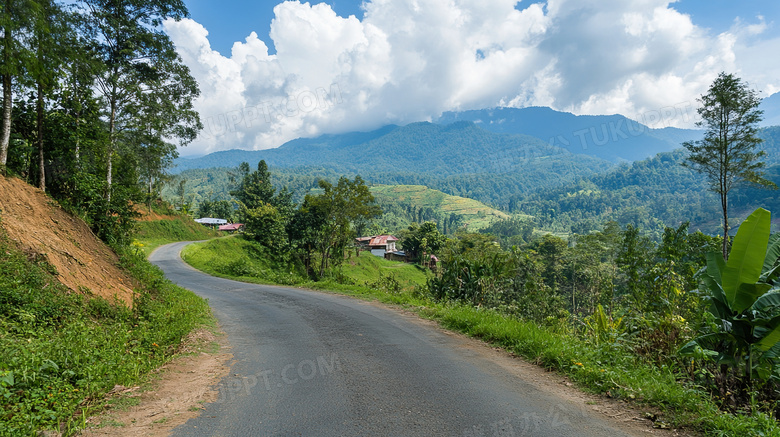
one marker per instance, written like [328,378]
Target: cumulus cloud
[410,60]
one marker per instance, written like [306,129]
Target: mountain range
[485,141]
[771,107]
[614,138]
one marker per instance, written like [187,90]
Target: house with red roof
[378,245]
[233,227]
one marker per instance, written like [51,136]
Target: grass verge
[61,352]
[235,257]
[603,368]
[153,234]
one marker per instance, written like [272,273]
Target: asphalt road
[317,364]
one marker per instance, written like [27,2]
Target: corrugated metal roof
[211,221]
[231,227]
[382,240]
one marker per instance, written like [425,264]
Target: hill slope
[403,204]
[649,192]
[771,108]
[45,231]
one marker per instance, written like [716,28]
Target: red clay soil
[40,227]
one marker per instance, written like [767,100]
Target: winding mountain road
[317,364]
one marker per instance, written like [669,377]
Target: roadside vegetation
[61,352]
[175,226]
[242,259]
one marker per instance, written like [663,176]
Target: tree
[423,240]
[255,189]
[726,155]
[144,83]
[52,35]
[339,208]
[744,302]
[15,22]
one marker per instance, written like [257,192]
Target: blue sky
[229,21]
[317,70]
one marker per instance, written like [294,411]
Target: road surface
[316,364]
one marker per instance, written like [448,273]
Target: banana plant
[745,301]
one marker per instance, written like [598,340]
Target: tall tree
[52,35]
[726,155]
[15,23]
[340,207]
[255,188]
[140,65]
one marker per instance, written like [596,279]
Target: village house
[378,245]
[232,227]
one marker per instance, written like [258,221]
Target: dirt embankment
[42,228]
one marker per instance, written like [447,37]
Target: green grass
[476,215]
[152,234]
[598,368]
[235,257]
[61,352]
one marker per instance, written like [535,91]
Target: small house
[232,227]
[398,255]
[378,245]
[211,222]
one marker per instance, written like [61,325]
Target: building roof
[382,240]
[231,227]
[211,221]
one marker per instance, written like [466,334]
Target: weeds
[61,351]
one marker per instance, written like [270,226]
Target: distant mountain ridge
[498,138]
[771,107]
[454,149]
[614,138]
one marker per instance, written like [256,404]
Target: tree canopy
[727,155]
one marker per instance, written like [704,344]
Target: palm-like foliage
[744,301]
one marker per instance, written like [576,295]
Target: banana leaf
[747,255]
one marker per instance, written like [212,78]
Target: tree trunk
[78,141]
[5,136]
[5,128]
[112,143]
[39,121]
[78,116]
[724,206]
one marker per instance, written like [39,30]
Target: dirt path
[176,393]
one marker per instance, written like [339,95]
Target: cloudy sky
[269,73]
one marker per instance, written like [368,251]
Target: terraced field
[475,215]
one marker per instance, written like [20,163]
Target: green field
[475,215]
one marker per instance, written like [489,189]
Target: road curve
[316,364]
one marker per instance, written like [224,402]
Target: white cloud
[410,60]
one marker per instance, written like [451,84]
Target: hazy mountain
[771,108]
[427,148]
[611,137]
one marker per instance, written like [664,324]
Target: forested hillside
[611,137]
[461,148]
[648,193]
[459,159]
